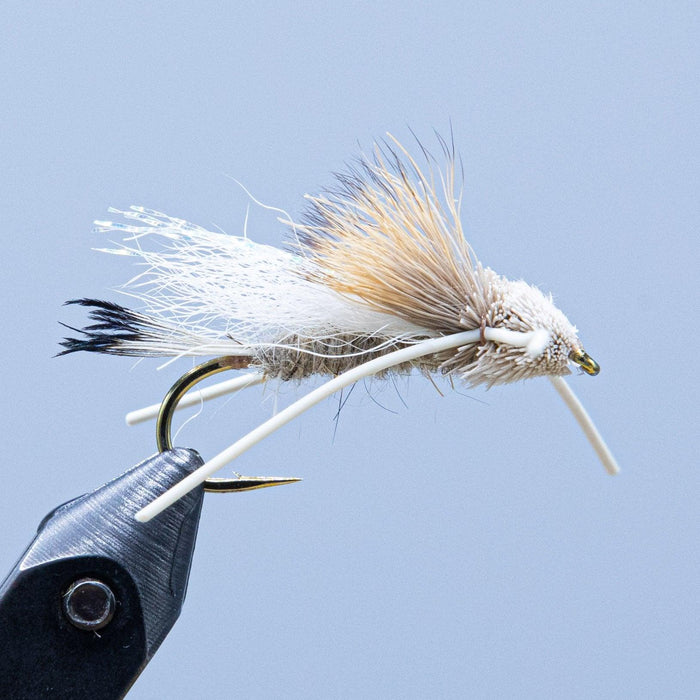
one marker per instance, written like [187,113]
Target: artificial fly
[378,278]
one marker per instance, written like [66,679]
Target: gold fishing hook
[165,419]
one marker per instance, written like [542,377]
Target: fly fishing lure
[378,278]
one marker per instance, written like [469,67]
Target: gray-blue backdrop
[460,546]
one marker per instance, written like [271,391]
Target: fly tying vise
[379,278]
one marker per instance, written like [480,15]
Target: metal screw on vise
[89,604]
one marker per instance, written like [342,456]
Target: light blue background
[465,546]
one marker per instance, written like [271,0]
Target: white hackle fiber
[229,292]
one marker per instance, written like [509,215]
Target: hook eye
[165,419]
[585,362]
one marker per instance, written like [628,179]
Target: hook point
[246,483]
